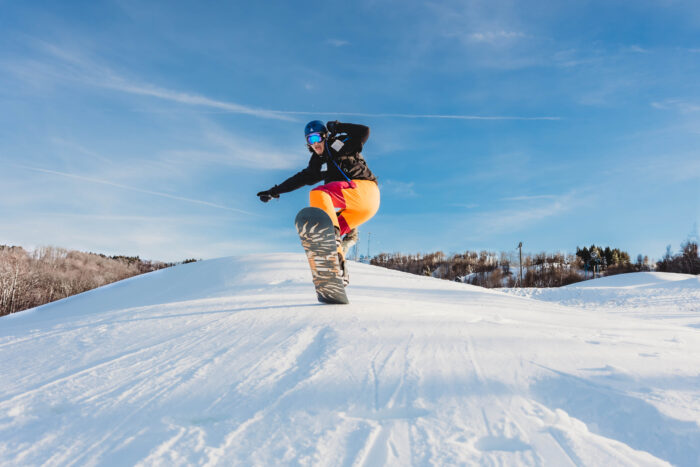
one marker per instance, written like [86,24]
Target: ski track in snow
[232,362]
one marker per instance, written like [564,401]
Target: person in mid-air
[349,185]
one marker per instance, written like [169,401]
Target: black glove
[332,127]
[266,196]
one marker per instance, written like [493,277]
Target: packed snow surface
[233,362]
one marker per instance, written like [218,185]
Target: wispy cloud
[131,188]
[636,49]
[224,148]
[504,221]
[426,116]
[661,168]
[494,37]
[399,189]
[75,66]
[606,93]
[676,104]
[120,84]
[572,57]
[337,42]
[528,197]
[517,165]
[516,219]
[123,164]
[71,148]
[204,148]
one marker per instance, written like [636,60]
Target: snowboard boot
[341,257]
[350,240]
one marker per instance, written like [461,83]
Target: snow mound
[233,362]
[645,294]
[641,279]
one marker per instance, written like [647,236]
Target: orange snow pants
[357,200]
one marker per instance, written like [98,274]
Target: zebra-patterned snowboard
[317,236]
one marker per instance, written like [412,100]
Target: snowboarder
[349,185]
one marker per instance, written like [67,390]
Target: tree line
[686,262]
[32,278]
[487,268]
[491,269]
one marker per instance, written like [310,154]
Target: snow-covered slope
[646,295]
[233,362]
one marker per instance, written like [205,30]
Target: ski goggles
[312,138]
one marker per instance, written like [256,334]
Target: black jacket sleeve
[357,132]
[309,176]
[353,136]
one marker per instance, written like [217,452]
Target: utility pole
[369,237]
[520,247]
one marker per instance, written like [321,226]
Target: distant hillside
[32,278]
[494,270]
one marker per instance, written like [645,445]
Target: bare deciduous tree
[30,279]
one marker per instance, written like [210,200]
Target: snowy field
[233,362]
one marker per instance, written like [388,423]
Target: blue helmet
[315,126]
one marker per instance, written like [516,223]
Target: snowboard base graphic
[317,235]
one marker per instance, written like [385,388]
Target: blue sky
[147,129]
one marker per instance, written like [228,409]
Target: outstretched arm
[309,176]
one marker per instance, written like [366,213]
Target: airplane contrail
[97,75]
[400,115]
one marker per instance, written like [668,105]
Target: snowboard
[317,235]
